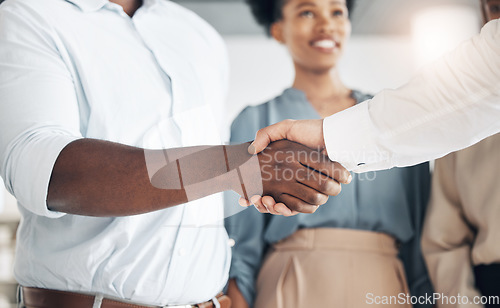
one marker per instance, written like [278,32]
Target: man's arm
[234,293]
[47,164]
[451,105]
[100,178]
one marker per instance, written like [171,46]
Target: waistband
[47,298]
[487,277]
[341,239]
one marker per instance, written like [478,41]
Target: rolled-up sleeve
[38,107]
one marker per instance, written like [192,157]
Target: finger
[282,208]
[244,202]
[257,202]
[296,204]
[321,163]
[319,182]
[269,134]
[269,203]
[305,193]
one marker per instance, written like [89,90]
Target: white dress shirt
[450,105]
[83,68]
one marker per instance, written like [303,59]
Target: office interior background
[391,40]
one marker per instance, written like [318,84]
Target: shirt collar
[89,5]
[149,3]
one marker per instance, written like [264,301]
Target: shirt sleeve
[450,105]
[447,238]
[38,107]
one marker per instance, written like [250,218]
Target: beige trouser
[330,267]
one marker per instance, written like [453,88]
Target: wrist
[244,170]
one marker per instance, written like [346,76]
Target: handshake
[295,179]
[324,178]
[285,171]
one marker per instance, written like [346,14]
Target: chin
[322,68]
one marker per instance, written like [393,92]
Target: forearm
[237,298]
[450,105]
[99,178]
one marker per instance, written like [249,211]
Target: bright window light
[438,30]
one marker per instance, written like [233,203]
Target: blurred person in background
[461,230]
[362,244]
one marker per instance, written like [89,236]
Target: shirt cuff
[32,164]
[350,140]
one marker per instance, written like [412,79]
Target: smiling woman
[347,248]
[314,32]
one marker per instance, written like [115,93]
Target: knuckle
[309,198]
[297,206]
[317,198]
[326,185]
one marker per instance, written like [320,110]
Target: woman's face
[314,31]
[491,9]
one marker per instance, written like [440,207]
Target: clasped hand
[296,179]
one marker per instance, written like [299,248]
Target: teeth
[324,44]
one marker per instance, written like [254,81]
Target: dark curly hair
[266,12]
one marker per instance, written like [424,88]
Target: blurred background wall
[391,39]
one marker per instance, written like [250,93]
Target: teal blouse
[391,201]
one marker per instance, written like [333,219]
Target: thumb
[269,134]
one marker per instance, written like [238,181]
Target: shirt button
[231,242]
